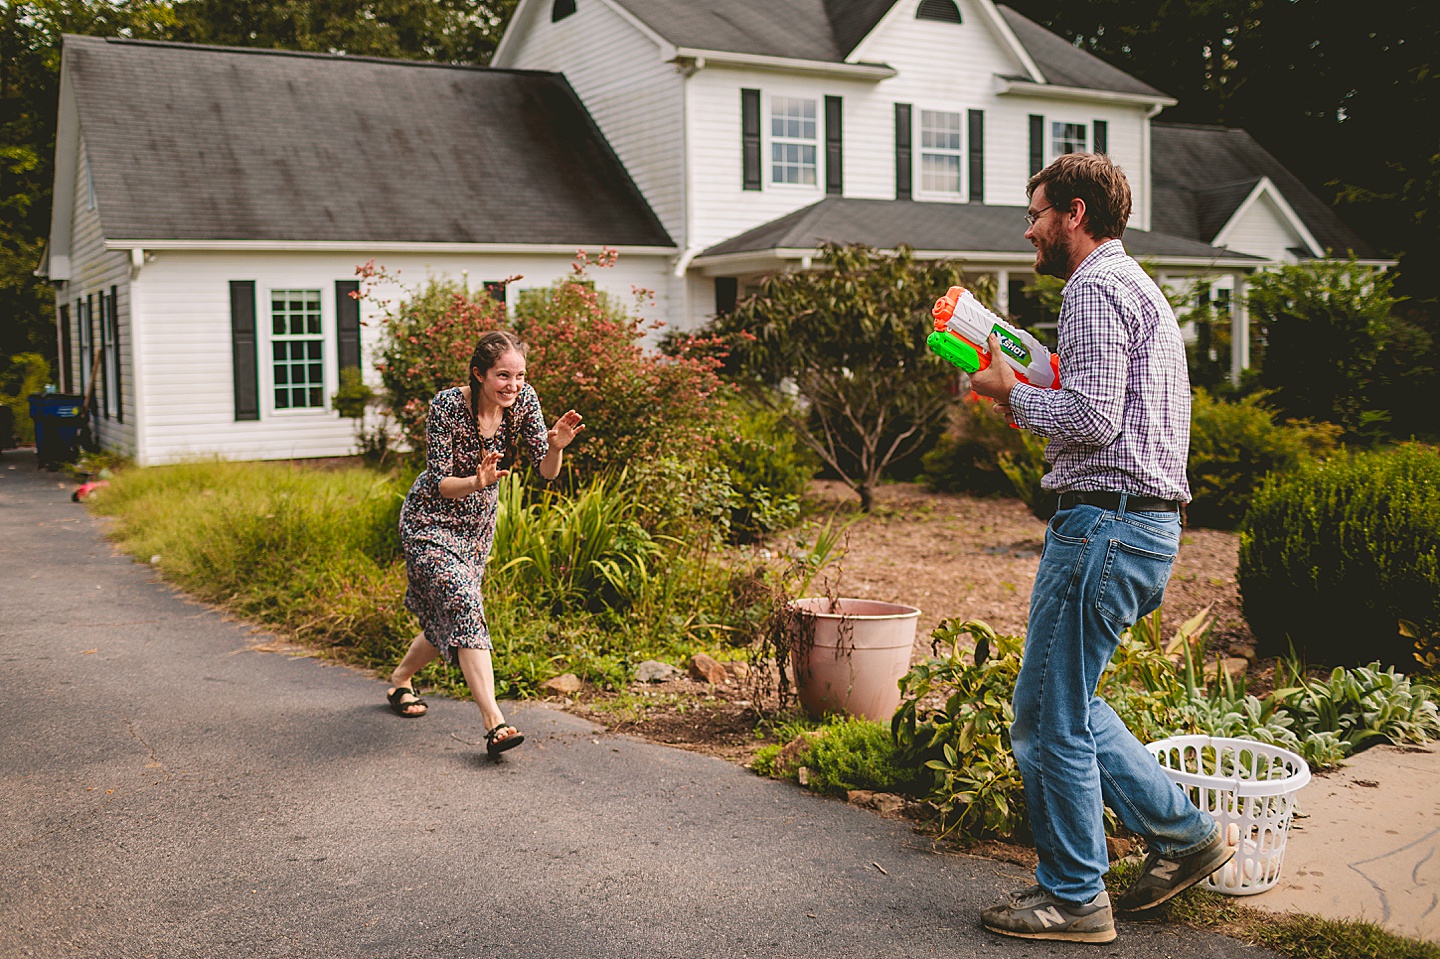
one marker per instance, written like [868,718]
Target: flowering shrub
[586,353]
[425,345]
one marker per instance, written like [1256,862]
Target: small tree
[850,340]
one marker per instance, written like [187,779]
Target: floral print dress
[447,541]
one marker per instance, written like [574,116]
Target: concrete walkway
[1365,844]
[168,790]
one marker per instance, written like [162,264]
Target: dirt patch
[950,555]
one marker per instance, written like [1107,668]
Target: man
[1119,434]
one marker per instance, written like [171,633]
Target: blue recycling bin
[57,427]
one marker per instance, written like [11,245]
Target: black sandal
[495,747]
[399,704]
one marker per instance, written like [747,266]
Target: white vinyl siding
[188,369]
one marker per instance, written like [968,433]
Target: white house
[214,202]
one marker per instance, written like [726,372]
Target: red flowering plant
[587,352]
[426,343]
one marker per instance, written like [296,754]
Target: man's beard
[1051,259]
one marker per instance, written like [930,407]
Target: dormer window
[944,11]
[561,9]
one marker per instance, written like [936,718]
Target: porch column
[1239,329]
[1002,292]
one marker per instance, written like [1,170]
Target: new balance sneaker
[1035,914]
[1163,877]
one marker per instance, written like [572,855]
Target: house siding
[1262,230]
[634,96]
[93,271]
[189,397]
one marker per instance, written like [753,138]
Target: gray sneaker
[1035,914]
[1164,878]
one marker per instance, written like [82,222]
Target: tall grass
[575,584]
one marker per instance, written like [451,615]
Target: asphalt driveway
[168,790]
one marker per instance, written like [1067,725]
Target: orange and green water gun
[962,332]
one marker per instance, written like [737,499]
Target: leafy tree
[1328,339]
[850,340]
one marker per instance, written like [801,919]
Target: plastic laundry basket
[1249,788]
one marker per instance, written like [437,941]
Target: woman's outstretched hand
[488,472]
[562,434]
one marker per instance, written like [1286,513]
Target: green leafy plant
[1025,468]
[1233,446]
[850,337]
[964,743]
[966,457]
[1334,555]
[353,396]
[27,374]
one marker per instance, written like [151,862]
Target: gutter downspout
[691,250]
[1148,174]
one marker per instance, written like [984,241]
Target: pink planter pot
[861,649]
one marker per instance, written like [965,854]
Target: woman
[447,525]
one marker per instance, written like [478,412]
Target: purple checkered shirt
[1121,420]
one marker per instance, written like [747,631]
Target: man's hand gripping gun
[962,331]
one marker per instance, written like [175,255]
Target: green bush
[1025,468]
[769,469]
[844,754]
[1333,555]
[1233,446]
[27,373]
[966,457]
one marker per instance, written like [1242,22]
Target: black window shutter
[834,146]
[66,358]
[977,156]
[243,349]
[347,324]
[1037,144]
[106,345]
[902,151]
[97,348]
[727,292]
[1102,136]
[750,137]
[115,345]
[496,290]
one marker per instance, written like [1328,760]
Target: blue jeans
[1101,572]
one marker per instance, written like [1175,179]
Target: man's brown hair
[1093,178]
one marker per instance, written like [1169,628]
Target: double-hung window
[297,349]
[1066,138]
[793,143]
[940,142]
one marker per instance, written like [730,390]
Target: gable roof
[830,30]
[195,143]
[949,227]
[1202,174]
[1066,65]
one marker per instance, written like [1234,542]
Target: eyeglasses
[1030,218]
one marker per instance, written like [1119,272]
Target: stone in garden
[707,670]
[794,753]
[1117,848]
[888,805]
[654,671]
[738,668]
[564,684]
[1234,666]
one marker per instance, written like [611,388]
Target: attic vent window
[944,11]
[563,8]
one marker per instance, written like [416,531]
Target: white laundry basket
[1249,788]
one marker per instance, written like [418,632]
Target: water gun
[962,331]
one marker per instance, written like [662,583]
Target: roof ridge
[303,54]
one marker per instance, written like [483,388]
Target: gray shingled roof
[1198,170]
[828,30]
[1066,65]
[958,227]
[190,142]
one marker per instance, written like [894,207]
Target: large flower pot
[861,648]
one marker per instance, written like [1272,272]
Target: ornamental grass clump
[1335,555]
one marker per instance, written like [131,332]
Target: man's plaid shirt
[1121,420]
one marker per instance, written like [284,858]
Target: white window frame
[1054,137]
[920,150]
[110,361]
[83,339]
[800,142]
[271,339]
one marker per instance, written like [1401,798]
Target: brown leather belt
[1108,500]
